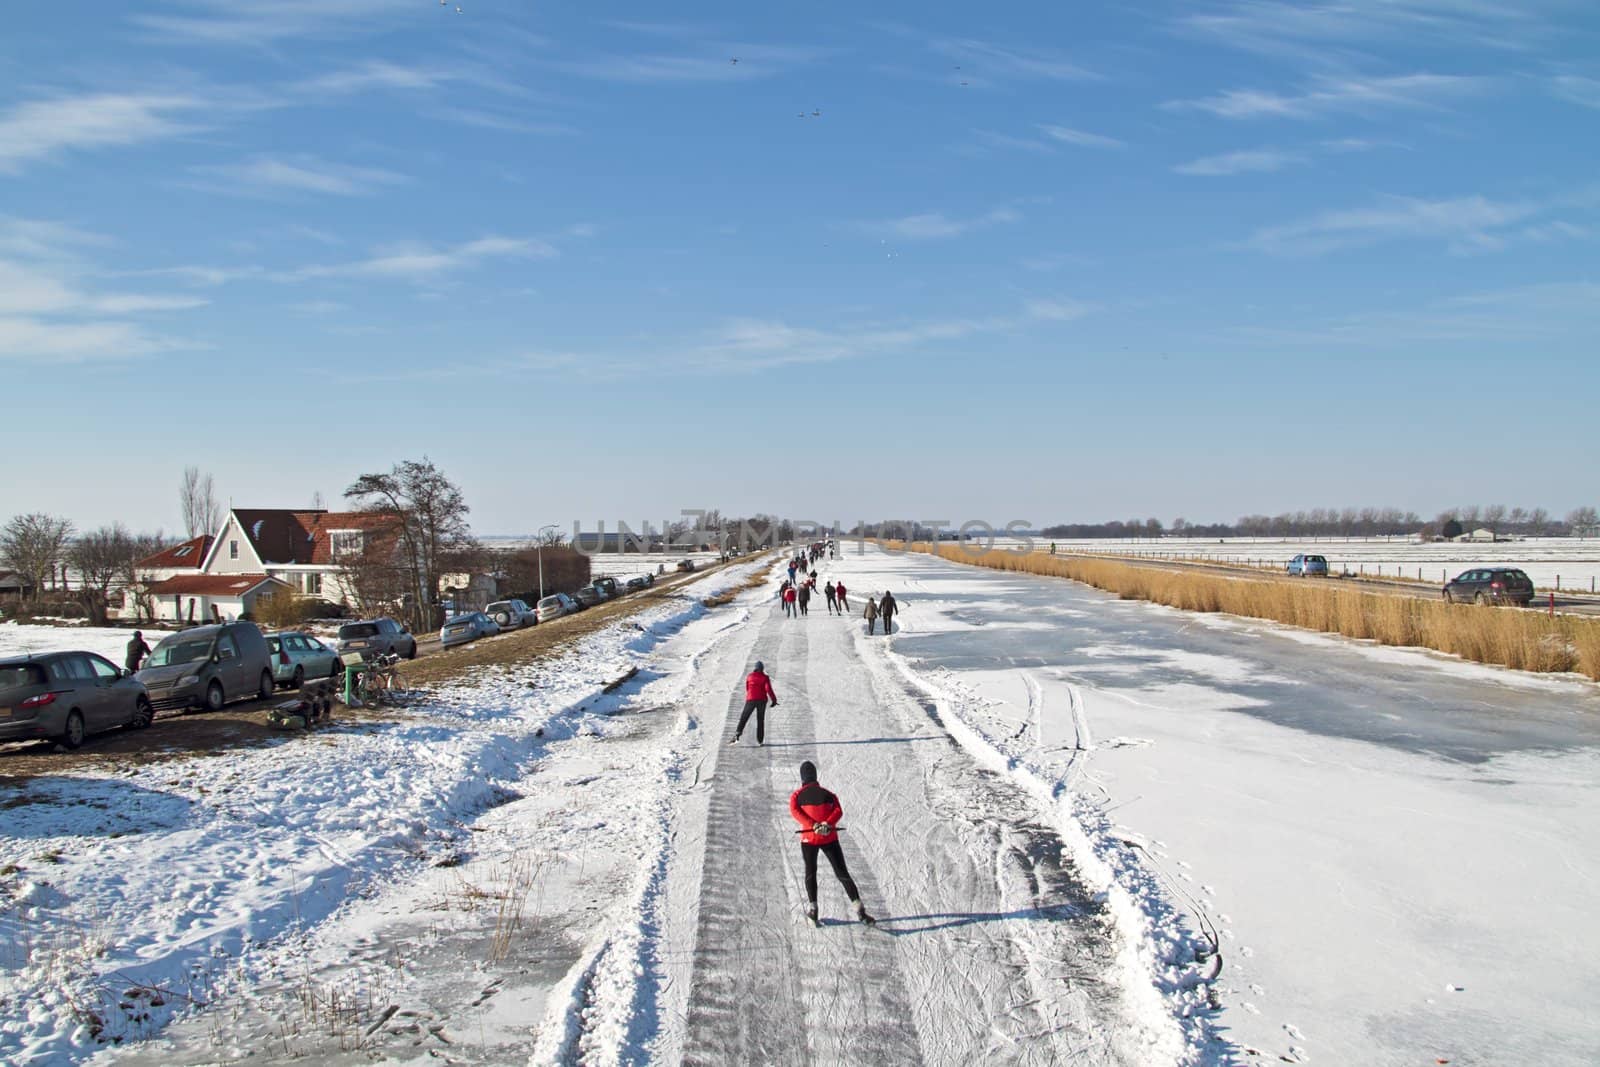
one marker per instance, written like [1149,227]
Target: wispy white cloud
[987,61]
[230,22]
[1466,223]
[36,340]
[32,288]
[277,175]
[935,225]
[1331,95]
[422,263]
[377,75]
[48,312]
[711,62]
[1340,32]
[1068,135]
[1577,89]
[39,130]
[1260,160]
[494,120]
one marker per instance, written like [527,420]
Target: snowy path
[988,947]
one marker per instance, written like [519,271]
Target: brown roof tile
[189,554]
[208,584]
[302,537]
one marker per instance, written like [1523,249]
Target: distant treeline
[1349,522]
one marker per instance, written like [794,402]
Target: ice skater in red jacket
[757,692]
[838,591]
[818,813]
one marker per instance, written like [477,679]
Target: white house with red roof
[310,551]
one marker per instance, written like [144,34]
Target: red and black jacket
[759,687]
[811,804]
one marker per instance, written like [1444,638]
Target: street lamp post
[540,551]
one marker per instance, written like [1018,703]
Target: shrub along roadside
[1522,640]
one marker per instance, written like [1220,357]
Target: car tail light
[1496,585]
[42,700]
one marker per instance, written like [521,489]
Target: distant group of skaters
[801,585]
[816,809]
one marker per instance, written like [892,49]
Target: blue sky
[1044,261]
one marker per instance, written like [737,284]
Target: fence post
[1552,605]
[1558,581]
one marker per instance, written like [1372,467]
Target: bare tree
[1538,522]
[318,502]
[1494,517]
[33,544]
[1583,521]
[433,524]
[102,557]
[135,587]
[197,499]
[554,537]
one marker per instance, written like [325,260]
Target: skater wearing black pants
[805,599]
[886,610]
[757,692]
[818,813]
[833,598]
[838,591]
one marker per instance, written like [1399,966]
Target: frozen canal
[1399,851]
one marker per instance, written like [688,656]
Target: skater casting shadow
[903,925]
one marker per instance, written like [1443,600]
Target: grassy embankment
[1522,640]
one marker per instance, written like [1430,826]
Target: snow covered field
[1397,851]
[1575,561]
[253,881]
[1053,799]
[20,638]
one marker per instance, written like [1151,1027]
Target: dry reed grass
[1522,640]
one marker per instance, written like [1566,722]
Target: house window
[312,585]
[233,550]
[346,543]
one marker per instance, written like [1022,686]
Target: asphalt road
[1566,603]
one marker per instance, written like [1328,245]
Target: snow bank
[136,893]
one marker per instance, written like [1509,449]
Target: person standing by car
[886,609]
[137,651]
[758,692]
[818,812]
[870,613]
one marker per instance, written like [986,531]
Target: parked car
[463,629]
[588,596]
[555,606]
[1309,566]
[207,666]
[638,582]
[511,614]
[607,587]
[1491,585]
[297,656]
[686,564]
[377,637]
[65,696]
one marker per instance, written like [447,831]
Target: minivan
[65,696]
[207,666]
